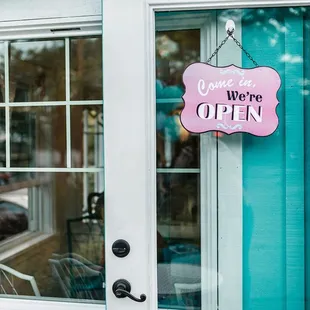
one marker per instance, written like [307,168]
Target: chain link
[246,53]
[230,34]
[217,49]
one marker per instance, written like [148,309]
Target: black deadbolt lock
[121,248]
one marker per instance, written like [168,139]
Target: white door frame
[129,80]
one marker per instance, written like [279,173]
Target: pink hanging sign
[230,99]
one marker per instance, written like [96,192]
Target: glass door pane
[178,175]
[269,175]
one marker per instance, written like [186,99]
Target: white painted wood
[6,100]
[13,10]
[164,5]
[130,149]
[208,190]
[230,200]
[19,303]
[50,169]
[35,20]
[186,22]
[50,103]
[85,159]
[48,34]
[68,108]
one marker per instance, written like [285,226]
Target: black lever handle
[122,288]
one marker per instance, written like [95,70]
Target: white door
[208,219]
[164,197]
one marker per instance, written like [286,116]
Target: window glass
[175,50]
[37,71]
[38,136]
[42,195]
[14,215]
[75,249]
[2,83]
[87,140]
[178,194]
[273,171]
[86,68]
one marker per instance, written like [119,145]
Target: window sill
[14,246]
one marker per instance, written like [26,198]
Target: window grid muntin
[7,109]
[68,109]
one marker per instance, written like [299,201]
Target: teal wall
[273,169]
[307,153]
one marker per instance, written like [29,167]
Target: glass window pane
[87,136]
[2,85]
[37,71]
[55,202]
[271,173]
[178,237]
[86,69]
[38,136]
[176,147]
[14,213]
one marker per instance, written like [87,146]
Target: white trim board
[230,192]
[51,28]
[166,5]
[34,304]
[14,10]
[208,188]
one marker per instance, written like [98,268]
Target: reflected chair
[78,280]
[79,258]
[188,295]
[7,286]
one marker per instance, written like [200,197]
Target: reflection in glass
[86,69]
[274,176]
[87,135]
[37,136]
[178,206]
[178,239]
[68,264]
[14,213]
[175,50]
[37,71]
[2,85]
[176,148]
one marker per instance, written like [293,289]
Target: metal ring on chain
[230,31]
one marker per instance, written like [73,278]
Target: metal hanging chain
[230,35]
[217,49]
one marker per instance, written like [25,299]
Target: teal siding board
[307,152]
[273,220]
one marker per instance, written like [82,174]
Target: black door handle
[122,288]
